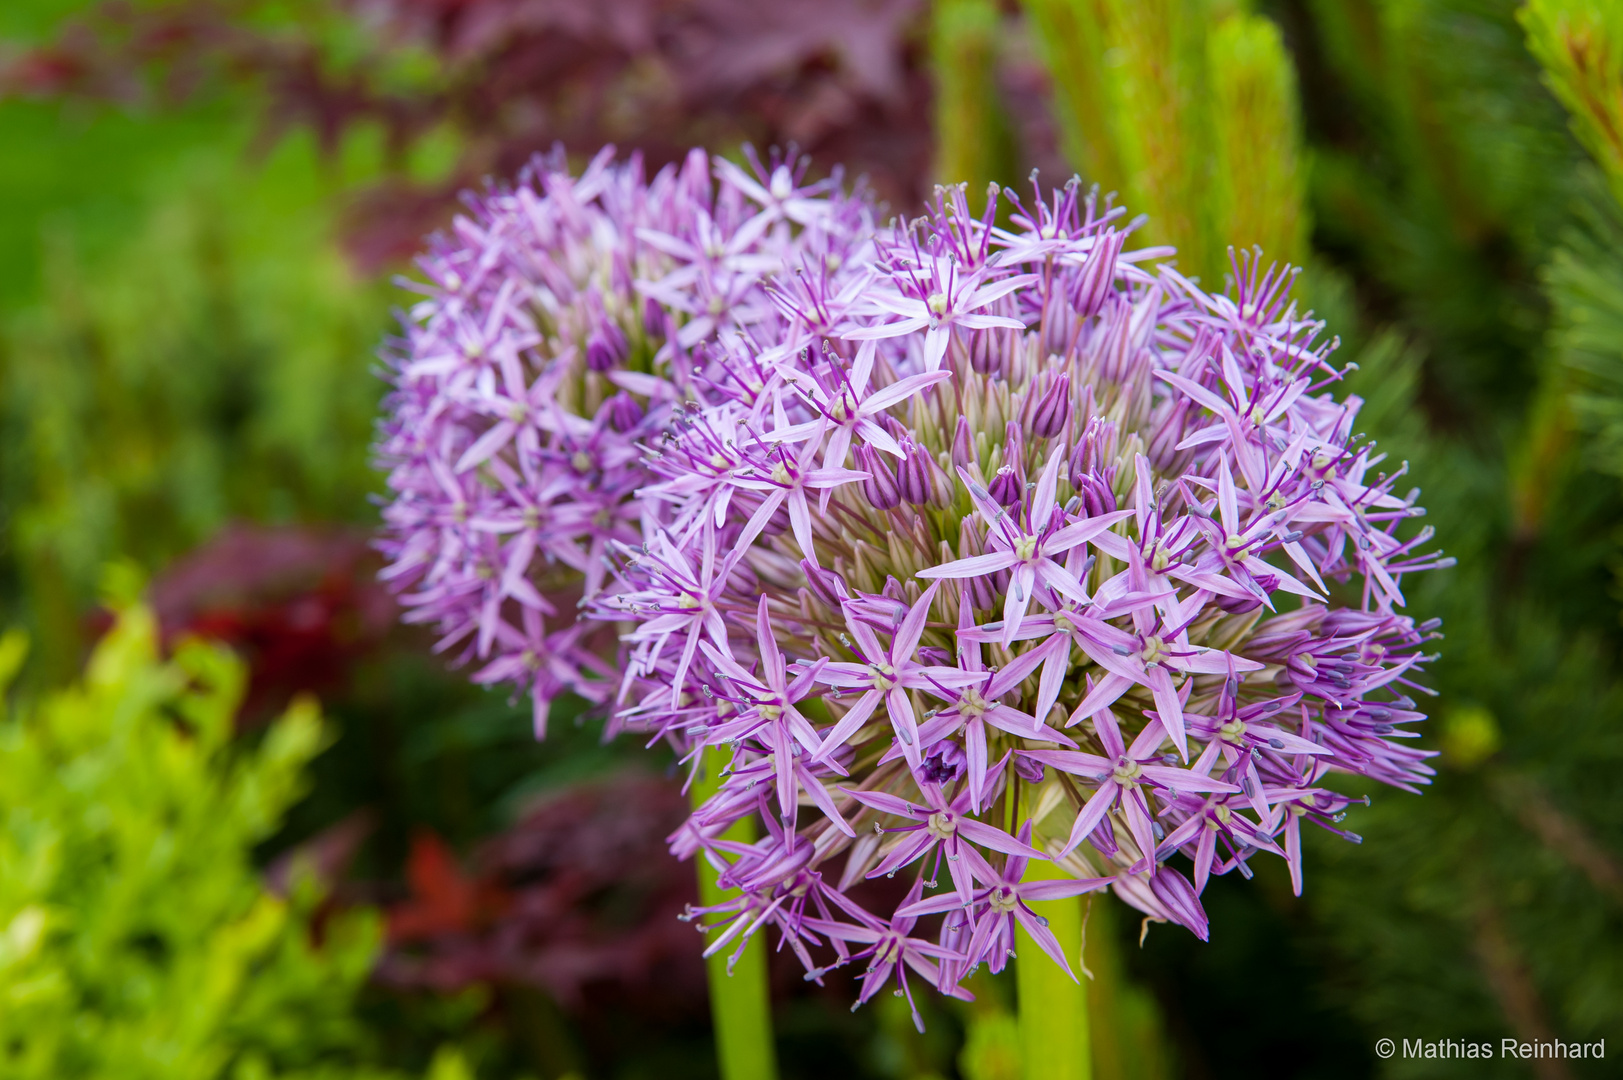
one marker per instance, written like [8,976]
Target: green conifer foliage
[1443,181]
[1580,47]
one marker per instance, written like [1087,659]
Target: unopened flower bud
[825,584]
[1237,605]
[624,412]
[963,444]
[1103,837]
[913,475]
[621,276]
[1097,495]
[1014,438]
[945,765]
[880,485]
[1098,274]
[1052,416]
[1077,467]
[1005,487]
[991,350]
[1179,899]
[653,318]
[1099,443]
[606,348]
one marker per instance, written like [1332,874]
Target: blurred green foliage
[1577,43]
[974,143]
[1584,279]
[1258,176]
[1186,109]
[136,937]
[1580,47]
[208,366]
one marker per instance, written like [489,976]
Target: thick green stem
[1054,1042]
[973,140]
[740,998]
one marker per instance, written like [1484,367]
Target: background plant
[139,939]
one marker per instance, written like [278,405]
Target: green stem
[973,141]
[740,999]
[1054,1042]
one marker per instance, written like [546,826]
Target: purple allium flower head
[1102,621]
[565,323]
[970,547]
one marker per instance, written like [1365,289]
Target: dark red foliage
[844,80]
[580,898]
[300,605]
[444,901]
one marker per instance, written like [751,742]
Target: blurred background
[203,206]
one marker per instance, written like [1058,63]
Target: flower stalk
[740,996]
[1055,1040]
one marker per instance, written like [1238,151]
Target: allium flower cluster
[565,322]
[979,545]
